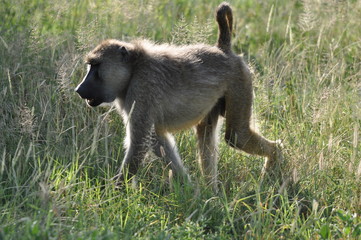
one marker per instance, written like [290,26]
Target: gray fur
[160,89]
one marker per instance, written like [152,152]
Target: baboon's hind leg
[208,146]
[238,134]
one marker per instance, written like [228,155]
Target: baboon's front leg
[208,147]
[164,146]
[137,145]
[133,158]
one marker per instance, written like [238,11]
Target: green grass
[56,155]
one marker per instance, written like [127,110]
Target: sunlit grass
[57,156]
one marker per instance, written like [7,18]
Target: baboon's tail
[224,19]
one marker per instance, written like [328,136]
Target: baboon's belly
[178,124]
[187,111]
[189,97]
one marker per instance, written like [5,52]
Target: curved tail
[225,20]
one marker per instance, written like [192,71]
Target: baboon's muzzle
[87,92]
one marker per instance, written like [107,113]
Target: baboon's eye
[125,54]
[93,64]
[95,69]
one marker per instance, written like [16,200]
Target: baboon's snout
[77,89]
[82,91]
[87,92]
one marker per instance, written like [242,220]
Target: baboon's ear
[125,54]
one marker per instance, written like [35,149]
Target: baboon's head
[109,70]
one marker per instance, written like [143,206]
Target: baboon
[160,89]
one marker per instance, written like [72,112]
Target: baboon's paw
[274,167]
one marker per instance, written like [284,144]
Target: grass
[56,155]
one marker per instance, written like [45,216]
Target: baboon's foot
[273,168]
[118,180]
[215,187]
[212,183]
[121,180]
[182,178]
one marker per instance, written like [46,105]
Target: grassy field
[57,155]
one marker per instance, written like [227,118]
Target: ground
[57,155]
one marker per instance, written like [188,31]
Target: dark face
[91,88]
[108,74]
